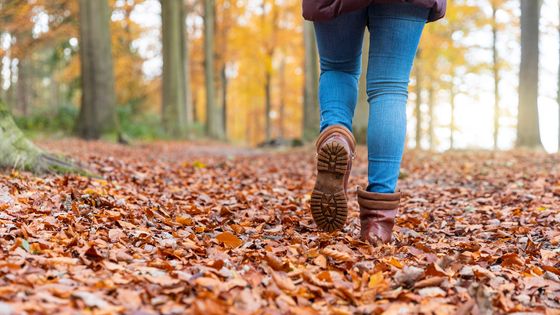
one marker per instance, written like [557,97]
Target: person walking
[395,29]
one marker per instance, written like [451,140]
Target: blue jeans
[395,32]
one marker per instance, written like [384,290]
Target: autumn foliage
[182,228]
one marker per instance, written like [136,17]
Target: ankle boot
[377,215]
[329,203]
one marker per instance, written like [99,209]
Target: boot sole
[329,206]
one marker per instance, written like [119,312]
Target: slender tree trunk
[452,126]
[214,124]
[431,105]
[222,27]
[360,122]
[24,88]
[310,96]
[496,72]
[282,109]
[418,107]
[98,112]
[270,45]
[189,104]
[195,108]
[528,134]
[174,109]
[224,98]
[268,101]
[12,91]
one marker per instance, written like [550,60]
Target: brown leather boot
[329,203]
[377,215]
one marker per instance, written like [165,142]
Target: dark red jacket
[321,10]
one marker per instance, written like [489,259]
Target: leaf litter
[176,228]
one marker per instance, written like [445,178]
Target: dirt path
[178,228]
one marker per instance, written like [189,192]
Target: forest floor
[179,228]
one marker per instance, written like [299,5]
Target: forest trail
[209,229]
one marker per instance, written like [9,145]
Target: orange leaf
[552,269]
[511,259]
[275,262]
[394,262]
[229,240]
[337,255]
[435,270]
[283,281]
[376,279]
[184,221]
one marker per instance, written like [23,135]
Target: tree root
[19,153]
[37,161]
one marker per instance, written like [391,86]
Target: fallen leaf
[431,292]
[336,255]
[376,280]
[91,299]
[283,282]
[229,240]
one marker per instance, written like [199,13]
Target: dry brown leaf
[283,281]
[429,282]
[275,262]
[187,221]
[207,306]
[431,292]
[337,255]
[308,276]
[376,280]
[92,299]
[434,270]
[320,261]
[229,240]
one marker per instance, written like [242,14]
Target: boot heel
[329,210]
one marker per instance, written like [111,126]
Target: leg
[395,34]
[340,49]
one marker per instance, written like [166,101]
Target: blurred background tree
[174,110]
[98,107]
[247,71]
[528,133]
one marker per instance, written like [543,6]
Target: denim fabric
[395,31]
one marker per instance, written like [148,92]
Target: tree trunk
[311,119]
[98,112]
[418,107]
[528,134]
[452,126]
[214,125]
[224,99]
[12,90]
[17,152]
[496,72]
[267,101]
[361,118]
[174,109]
[270,47]
[282,109]
[24,88]
[431,105]
[189,102]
